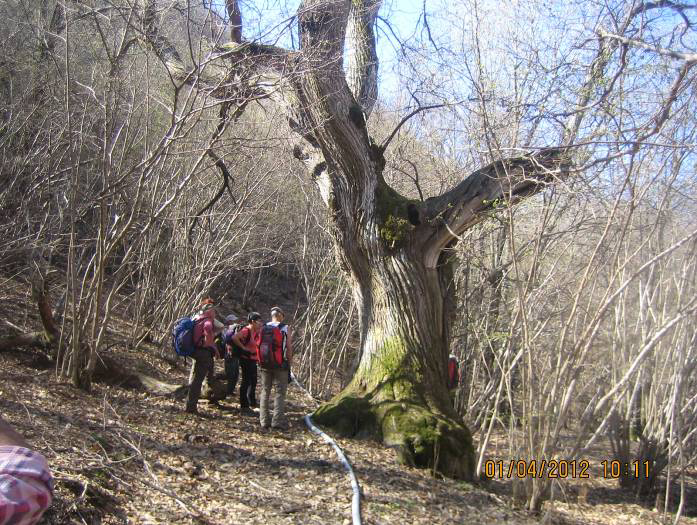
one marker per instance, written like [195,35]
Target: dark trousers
[248,396]
[203,368]
[232,373]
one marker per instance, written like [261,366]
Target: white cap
[231,318]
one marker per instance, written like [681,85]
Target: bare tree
[393,248]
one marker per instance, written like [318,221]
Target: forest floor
[122,456]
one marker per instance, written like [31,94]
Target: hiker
[205,326]
[453,372]
[231,353]
[453,378]
[247,340]
[26,484]
[275,357]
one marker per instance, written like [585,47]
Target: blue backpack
[183,336]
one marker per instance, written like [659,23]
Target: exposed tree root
[29,339]
[421,437]
[110,371]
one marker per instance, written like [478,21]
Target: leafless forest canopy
[133,186]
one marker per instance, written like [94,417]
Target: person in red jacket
[247,339]
[205,349]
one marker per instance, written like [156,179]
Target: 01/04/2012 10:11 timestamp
[561,468]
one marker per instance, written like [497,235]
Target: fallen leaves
[143,460]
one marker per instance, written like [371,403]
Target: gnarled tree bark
[394,249]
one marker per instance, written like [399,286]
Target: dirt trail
[122,456]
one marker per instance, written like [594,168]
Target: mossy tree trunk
[398,393]
[397,253]
[394,249]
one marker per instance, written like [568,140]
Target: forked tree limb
[501,183]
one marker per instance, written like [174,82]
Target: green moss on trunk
[349,416]
[420,437]
[428,440]
[392,215]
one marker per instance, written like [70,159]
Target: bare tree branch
[387,141]
[499,184]
[690,58]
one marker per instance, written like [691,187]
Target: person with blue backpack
[204,327]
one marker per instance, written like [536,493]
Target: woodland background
[125,199]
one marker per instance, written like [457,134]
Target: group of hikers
[246,347]
[26,483]
[242,346]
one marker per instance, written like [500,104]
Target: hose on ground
[356,500]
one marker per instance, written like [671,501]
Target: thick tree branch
[362,60]
[502,183]
[233,12]
[326,110]
[647,6]
[322,30]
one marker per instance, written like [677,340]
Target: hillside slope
[122,456]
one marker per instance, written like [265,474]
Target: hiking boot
[192,410]
[246,411]
[199,415]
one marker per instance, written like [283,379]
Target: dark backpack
[225,338]
[272,348]
[183,336]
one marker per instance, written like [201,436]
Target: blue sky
[519,41]
[269,21]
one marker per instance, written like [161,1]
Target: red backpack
[272,348]
[453,372]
